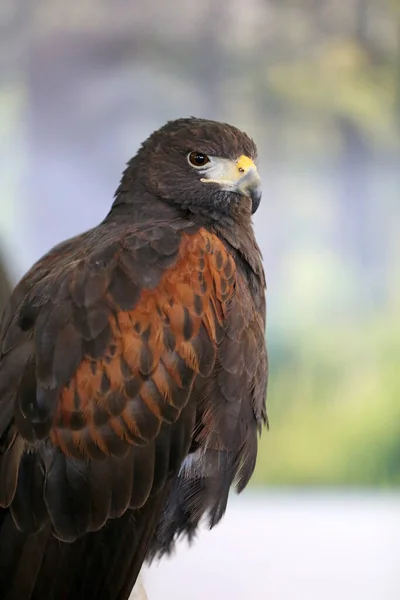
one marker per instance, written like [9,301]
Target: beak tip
[255,195]
[250,185]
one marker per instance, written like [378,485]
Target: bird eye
[197,159]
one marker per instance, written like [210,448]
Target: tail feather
[103,565]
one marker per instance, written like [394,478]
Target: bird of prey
[133,372]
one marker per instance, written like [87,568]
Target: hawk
[133,372]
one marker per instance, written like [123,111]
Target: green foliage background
[334,407]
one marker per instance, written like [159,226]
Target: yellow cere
[245,163]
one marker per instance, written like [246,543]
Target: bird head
[202,166]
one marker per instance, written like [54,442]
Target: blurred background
[318,87]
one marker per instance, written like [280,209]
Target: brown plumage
[133,372]
[5,286]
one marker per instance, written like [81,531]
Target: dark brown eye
[197,159]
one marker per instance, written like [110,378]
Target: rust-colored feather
[134,375]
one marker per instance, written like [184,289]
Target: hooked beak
[239,176]
[250,183]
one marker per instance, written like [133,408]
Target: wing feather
[114,335]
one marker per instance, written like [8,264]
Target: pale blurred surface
[139,593]
[82,84]
[280,546]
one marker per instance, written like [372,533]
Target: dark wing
[229,419]
[5,287]
[98,360]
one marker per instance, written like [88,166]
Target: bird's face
[237,175]
[203,166]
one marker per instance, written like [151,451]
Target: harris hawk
[133,372]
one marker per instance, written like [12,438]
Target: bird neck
[134,204]
[140,207]
[238,234]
